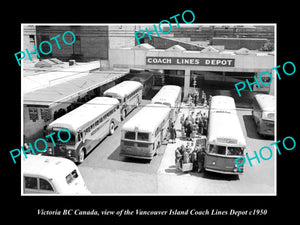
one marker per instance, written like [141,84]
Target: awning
[68,90]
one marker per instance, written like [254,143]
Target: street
[106,172]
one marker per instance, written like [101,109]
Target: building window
[33,114]
[45,47]
[77,46]
[31,38]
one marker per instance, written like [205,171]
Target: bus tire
[258,128]
[81,155]
[111,128]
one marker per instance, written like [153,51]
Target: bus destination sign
[224,62]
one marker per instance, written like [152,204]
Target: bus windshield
[63,135]
[217,149]
[130,135]
[71,177]
[223,150]
[234,151]
[143,136]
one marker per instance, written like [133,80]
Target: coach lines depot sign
[190,61]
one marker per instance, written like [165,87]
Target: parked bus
[221,103]
[225,140]
[142,135]
[264,113]
[51,175]
[129,94]
[169,95]
[146,80]
[88,125]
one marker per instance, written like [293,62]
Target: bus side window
[45,185]
[79,136]
[87,130]
[30,182]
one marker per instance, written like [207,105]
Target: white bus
[225,140]
[88,125]
[52,175]
[142,135]
[220,103]
[129,94]
[263,113]
[169,95]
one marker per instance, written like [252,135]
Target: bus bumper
[140,155]
[57,152]
[266,128]
[225,172]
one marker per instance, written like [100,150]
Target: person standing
[200,159]
[186,157]
[182,118]
[194,159]
[189,130]
[172,133]
[177,155]
[200,125]
[204,124]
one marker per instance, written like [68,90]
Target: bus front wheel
[81,155]
[111,128]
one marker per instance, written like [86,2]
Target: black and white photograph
[133,115]
[170,110]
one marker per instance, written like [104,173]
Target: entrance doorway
[223,83]
[174,77]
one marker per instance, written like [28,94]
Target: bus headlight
[235,169]
[50,151]
[213,163]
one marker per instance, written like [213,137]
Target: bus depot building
[213,69]
[45,104]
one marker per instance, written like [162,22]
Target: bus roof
[167,94]
[171,87]
[123,89]
[222,103]
[82,116]
[147,119]
[265,102]
[225,127]
[47,166]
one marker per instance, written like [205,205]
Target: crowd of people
[194,124]
[187,154]
[196,100]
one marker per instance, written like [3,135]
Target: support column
[187,78]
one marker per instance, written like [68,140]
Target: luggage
[186,167]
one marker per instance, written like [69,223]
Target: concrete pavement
[107,173]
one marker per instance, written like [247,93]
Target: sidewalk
[167,165]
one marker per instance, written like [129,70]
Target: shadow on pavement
[205,174]
[115,155]
[251,129]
